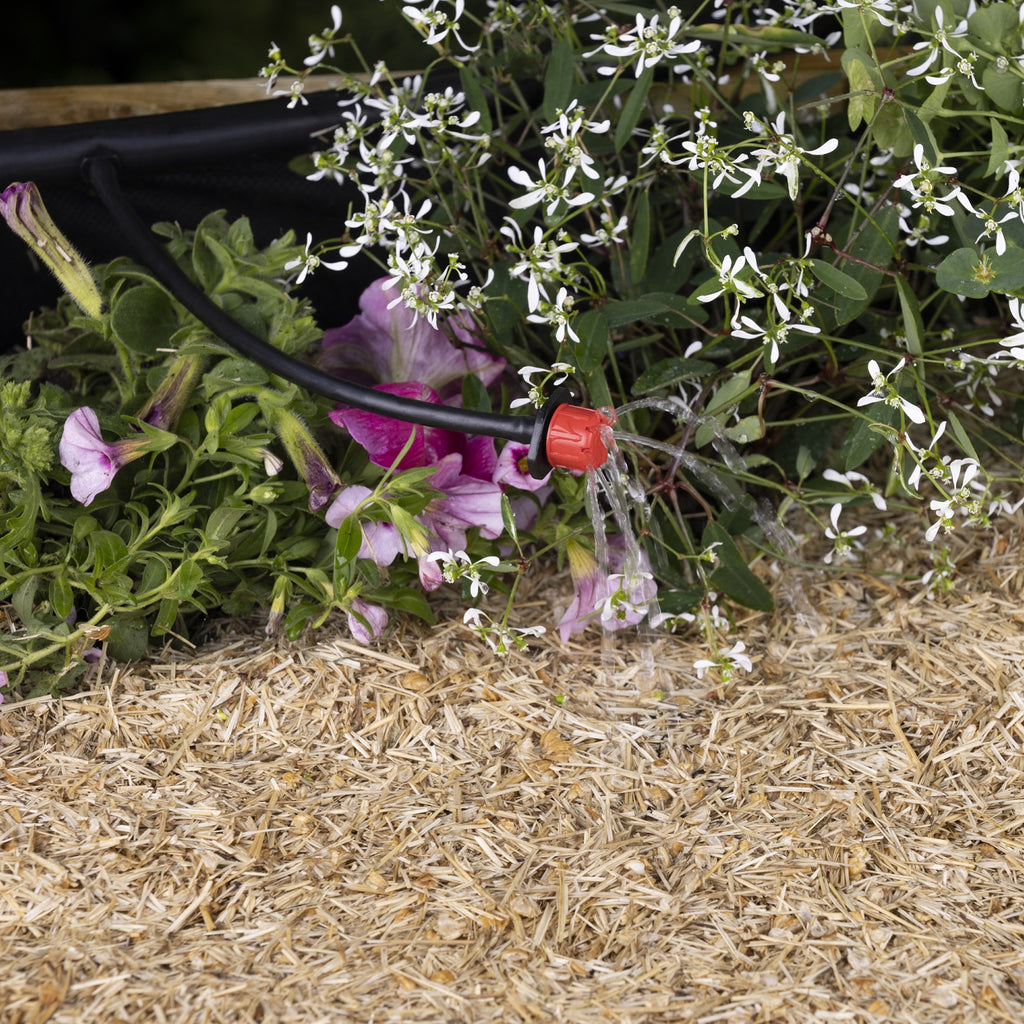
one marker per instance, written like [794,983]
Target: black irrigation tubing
[100,169]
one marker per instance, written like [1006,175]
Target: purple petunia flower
[3,682]
[381,541]
[93,462]
[604,593]
[465,472]
[366,621]
[393,345]
[512,468]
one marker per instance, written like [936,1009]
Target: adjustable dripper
[567,436]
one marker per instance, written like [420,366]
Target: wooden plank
[75,104]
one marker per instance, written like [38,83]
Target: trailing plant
[785,241]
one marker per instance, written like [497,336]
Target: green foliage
[197,528]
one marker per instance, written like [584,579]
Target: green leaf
[1000,147]
[640,238]
[143,318]
[475,98]
[865,85]
[760,36]
[1004,88]
[974,274]
[558,76]
[348,541]
[128,639]
[24,599]
[992,26]
[745,430]
[474,394]
[957,429]
[222,523]
[633,108]
[238,418]
[839,282]
[655,307]
[592,330]
[668,372]
[910,309]
[874,243]
[188,578]
[62,598]
[508,518]
[410,601]
[732,576]
[108,553]
[891,130]
[680,599]
[729,393]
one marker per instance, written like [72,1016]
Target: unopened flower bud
[272,464]
[22,207]
[277,603]
[167,403]
[307,457]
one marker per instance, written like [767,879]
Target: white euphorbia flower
[545,190]
[309,262]
[727,662]
[649,42]
[1018,321]
[938,42]
[1014,193]
[729,280]
[843,541]
[921,186]
[435,25]
[784,156]
[919,453]
[775,335]
[321,46]
[857,482]
[884,391]
[457,565]
[555,375]
[993,229]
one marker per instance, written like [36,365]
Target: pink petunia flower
[366,621]
[394,345]
[469,496]
[512,468]
[93,462]
[381,541]
[603,593]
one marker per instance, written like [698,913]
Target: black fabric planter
[179,167]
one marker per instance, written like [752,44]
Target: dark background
[84,42]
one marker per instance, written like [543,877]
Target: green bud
[307,457]
[167,402]
[22,207]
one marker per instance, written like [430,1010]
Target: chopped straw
[424,832]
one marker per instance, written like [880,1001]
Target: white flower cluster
[387,129]
[646,44]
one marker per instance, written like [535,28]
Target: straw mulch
[427,832]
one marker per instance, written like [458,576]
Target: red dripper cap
[576,437]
